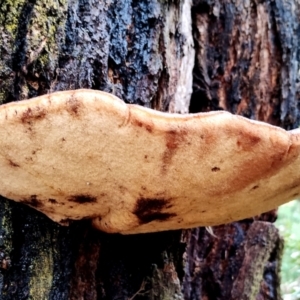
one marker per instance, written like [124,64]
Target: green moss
[10,14]
[42,271]
[47,18]
[42,29]
[2,97]
[6,229]
[6,225]
[10,11]
[164,283]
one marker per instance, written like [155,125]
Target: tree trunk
[239,56]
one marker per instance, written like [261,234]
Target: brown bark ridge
[245,61]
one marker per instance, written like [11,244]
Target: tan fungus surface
[86,154]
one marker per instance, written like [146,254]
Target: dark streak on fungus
[142,124]
[148,210]
[137,122]
[149,128]
[147,218]
[32,201]
[247,141]
[35,114]
[83,198]
[173,140]
[13,164]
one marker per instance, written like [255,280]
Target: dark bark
[240,262]
[245,62]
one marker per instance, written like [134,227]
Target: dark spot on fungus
[138,123]
[13,164]
[215,169]
[73,106]
[148,210]
[82,199]
[295,195]
[149,128]
[34,114]
[53,201]
[255,187]
[32,201]
[123,189]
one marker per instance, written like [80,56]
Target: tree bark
[241,56]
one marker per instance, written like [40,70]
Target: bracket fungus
[86,154]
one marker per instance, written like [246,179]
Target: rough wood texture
[247,59]
[135,49]
[239,262]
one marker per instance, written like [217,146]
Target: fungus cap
[86,154]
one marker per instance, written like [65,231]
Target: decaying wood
[231,267]
[246,59]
